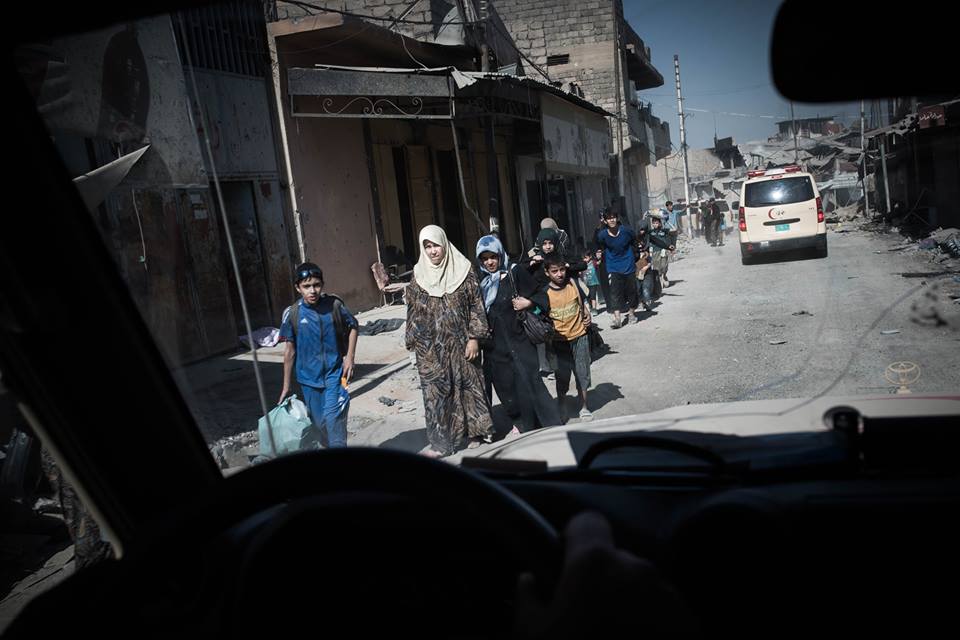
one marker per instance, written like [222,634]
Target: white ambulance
[781,209]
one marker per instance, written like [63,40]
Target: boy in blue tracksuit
[321,339]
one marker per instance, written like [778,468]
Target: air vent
[560,58]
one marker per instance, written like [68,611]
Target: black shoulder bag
[539,329]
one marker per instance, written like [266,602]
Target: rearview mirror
[841,51]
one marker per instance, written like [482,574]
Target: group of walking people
[465,326]
[635,261]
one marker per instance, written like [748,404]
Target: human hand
[602,592]
[587,319]
[283,395]
[348,367]
[520,303]
[472,350]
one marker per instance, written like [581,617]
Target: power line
[722,92]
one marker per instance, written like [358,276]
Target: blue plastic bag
[288,421]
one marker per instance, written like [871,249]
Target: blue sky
[724,68]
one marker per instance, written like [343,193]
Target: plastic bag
[288,421]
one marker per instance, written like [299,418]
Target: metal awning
[328,91]
[335,92]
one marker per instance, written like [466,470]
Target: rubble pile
[236,451]
[848,213]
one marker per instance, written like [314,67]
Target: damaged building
[335,135]
[424,134]
[916,147]
[131,135]
[716,172]
[591,50]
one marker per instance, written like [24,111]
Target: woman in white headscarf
[445,323]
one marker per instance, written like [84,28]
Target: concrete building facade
[589,48]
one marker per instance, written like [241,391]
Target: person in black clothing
[548,241]
[510,360]
[704,215]
[712,223]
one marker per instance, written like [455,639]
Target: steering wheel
[343,496]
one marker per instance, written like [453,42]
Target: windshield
[344,226]
[778,191]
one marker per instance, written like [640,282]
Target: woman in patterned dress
[445,322]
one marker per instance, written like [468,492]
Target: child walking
[321,339]
[571,320]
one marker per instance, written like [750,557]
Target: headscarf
[549,223]
[552,236]
[446,277]
[490,282]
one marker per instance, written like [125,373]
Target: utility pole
[863,159]
[883,161]
[796,151]
[618,82]
[493,169]
[683,144]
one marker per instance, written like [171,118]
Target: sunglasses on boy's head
[306,273]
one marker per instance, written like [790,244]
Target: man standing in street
[712,222]
[618,241]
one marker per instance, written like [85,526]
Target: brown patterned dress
[453,392]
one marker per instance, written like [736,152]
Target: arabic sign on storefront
[575,140]
[931,117]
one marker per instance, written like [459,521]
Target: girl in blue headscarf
[510,360]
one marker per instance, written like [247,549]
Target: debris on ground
[804,312]
[889,332]
[778,342]
[387,401]
[263,337]
[926,274]
[235,451]
[384,325]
